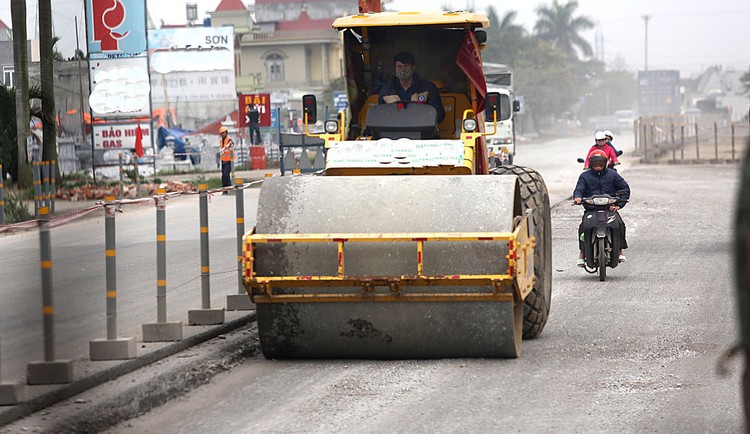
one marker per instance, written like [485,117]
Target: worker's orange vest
[227,149]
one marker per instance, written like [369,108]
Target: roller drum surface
[387,204]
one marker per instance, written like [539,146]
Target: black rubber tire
[601,245]
[534,195]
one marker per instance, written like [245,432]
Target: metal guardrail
[672,140]
[55,371]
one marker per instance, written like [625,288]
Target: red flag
[470,62]
[139,141]
[369,6]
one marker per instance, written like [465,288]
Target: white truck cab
[501,146]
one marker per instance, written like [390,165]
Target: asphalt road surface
[636,353]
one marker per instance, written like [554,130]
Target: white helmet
[600,135]
[609,134]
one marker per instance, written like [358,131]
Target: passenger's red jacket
[611,156]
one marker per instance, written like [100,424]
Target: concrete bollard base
[54,372]
[112,349]
[12,393]
[162,332]
[239,302]
[206,316]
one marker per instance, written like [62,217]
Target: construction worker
[226,153]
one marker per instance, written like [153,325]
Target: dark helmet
[598,158]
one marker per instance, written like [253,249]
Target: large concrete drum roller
[390,313]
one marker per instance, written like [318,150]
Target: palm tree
[505,37]
[21,82]
[557,25]
[56,54]
[46,66]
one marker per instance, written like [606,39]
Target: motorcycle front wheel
[602,259]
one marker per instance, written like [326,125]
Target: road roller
[406,245]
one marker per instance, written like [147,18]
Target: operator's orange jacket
[227,149]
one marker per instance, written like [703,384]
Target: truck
[407,244]
[502,144]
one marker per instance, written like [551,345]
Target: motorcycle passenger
[610,137]
[600,144]
[601,180]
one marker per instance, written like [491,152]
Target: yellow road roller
[406,245]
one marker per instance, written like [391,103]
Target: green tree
[558,26]
[21,81]
[46,47]
[745,80]
[8,126]
[56,55]
[609,92]
[505,37]
[547,78]
[8,148]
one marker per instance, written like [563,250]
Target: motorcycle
[601,235]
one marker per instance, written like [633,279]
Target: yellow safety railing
[517,279]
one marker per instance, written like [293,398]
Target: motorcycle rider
[601,180]
[610,137]
[601,144]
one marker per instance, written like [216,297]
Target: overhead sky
[688,35]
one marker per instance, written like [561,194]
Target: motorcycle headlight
[470,125]
[601,201]
[331,126]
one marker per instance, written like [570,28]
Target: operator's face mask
[404,71]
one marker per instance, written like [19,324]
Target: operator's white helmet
[609,134]
[599,135]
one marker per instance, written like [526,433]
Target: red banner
[470,62]
[368,6]
[262,103]
[139,141]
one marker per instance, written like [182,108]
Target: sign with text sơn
[192,64]
[262,102]
[120,136]
[116,28]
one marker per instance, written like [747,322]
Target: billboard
[119,87]
[116,28]
[659,92]
[192,64]
[262,102]
[120,136]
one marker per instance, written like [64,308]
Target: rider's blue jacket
[607,181]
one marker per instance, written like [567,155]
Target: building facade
[286,47]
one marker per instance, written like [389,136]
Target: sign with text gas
[262,102]
[116,28]
[120,136]
[192,64]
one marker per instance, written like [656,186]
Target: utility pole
[645,22]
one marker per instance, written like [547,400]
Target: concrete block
[206,316]
[239,302]
[54,372]
[162,332]
[112,349]
[12,393]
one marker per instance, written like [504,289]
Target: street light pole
[645,22]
